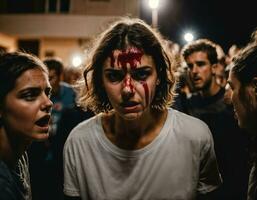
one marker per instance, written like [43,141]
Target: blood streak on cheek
[145,86]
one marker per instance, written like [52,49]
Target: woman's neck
[134,134]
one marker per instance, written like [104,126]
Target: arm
[209,176]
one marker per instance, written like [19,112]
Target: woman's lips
[43,121]
[130,106]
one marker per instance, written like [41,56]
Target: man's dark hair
[54,64]
[203,45]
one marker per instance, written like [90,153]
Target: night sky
[225,22]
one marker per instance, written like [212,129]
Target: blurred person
[63,96]
[72,75]
[184,89]
[69,119]
[220,74]
[232,51]
[227,95]
[130,149]
[207,104]
[243,83]
[24,117]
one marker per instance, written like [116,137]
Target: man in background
[207,104]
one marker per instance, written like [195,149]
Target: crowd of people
[142,119]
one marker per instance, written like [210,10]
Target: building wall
[59,33]
[53,25]
[105,7]
[8,42]
[65,48]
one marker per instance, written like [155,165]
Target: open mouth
[129,104]
[43,121]
[196,79]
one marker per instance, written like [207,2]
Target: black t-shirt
[11,187]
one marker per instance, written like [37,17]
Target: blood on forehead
[131,55]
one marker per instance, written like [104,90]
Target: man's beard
[205,87]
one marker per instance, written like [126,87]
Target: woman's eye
[30,95]
[115,76]
[140,75]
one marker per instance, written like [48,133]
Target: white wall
[54,25]
[8,42]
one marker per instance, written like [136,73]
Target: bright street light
[76,61]
[154,4]
[188,37]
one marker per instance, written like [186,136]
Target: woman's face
[244,103]
[26,108]
[130,79]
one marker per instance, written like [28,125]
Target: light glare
[76,61]
[188,37]
[153,4]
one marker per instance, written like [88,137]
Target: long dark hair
[244,68]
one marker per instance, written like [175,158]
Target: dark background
[225,22]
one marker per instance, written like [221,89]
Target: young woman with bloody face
[129,150]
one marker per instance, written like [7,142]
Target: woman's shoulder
[187,124]
[10,187]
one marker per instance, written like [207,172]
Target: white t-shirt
[179,163]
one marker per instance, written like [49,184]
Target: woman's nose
[47,104]
[128,89]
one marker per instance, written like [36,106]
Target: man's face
[200,70]
[54,81]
